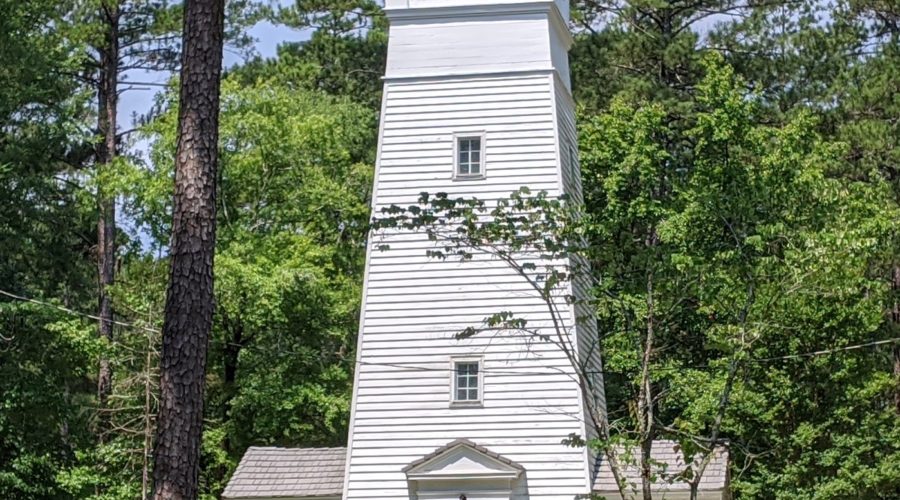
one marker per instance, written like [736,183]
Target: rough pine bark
[189,299]
[107,106]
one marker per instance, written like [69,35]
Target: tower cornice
[562,6]
[420,10]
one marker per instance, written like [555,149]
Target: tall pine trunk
[189,299]
[107,106]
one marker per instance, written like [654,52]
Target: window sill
[463,178]
[466,404]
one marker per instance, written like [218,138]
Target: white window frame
[480,381]
[460,136]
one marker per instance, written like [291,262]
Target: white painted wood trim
[464,477]
[567,93]
[365,292]
[481,75]
[555,85]
[482,136]
[439,76]
[396,10]
[466,404]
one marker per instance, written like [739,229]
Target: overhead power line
[831,351]
[427,368]
[74,312]
[556,370]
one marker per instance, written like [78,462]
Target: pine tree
[189,299]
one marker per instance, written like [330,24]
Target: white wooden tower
[477,102]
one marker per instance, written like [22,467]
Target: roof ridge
[291,448]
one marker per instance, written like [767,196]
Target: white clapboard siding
[588,339]
[497,68]
[416,49]
[415,304]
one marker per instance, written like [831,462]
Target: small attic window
[469,156]
[466,381]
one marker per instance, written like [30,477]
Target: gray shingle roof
[288,472]
[319,472]
[715,477]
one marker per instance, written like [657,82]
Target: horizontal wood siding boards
[415,304]
[568,133]
[518,344]
[560,56]
[436,347]
[517,42]
[587,336]
[515,286]
[414,135]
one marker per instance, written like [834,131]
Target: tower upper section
[440,38]
[394,5]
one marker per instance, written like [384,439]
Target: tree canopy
[740,218]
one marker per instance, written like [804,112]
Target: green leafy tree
[719,289]
[753,238]
[647,49]
[345,55]
[838,59]
[122,38]
[293,214]
[45,241]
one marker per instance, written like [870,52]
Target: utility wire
[830,351]
[502,371]
[74,312]
[425,368]
[674,368]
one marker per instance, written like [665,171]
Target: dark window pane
[468,161]
[466,381]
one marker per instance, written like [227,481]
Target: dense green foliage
[764,208]
[742,196]
[45,355]
[293,214]
[749,256]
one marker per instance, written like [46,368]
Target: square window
[469,155]
[466,381]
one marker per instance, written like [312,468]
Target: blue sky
[138,101]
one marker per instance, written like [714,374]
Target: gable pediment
[462,459]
